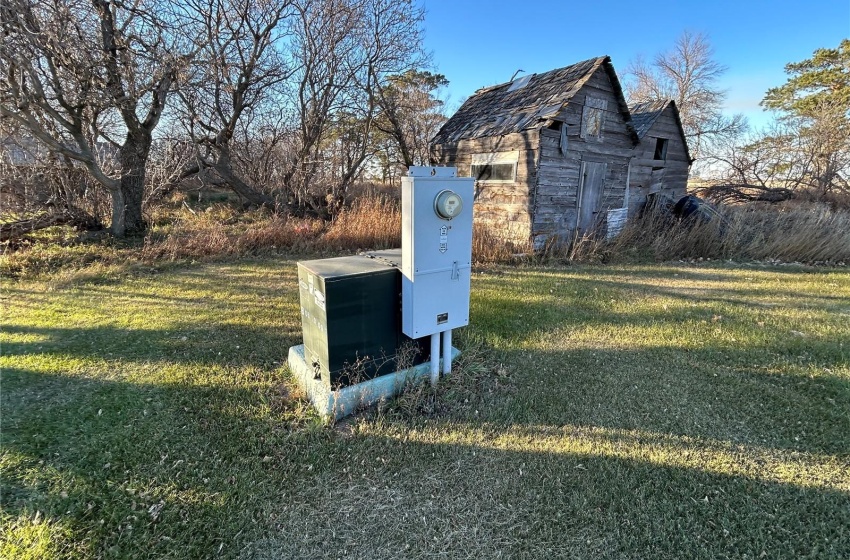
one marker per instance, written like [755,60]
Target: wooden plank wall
[670,178]
[505,207]
[558,180]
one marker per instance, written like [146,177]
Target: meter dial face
[448,205]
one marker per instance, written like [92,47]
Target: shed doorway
[590,195]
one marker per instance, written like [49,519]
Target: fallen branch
[18,228]
[741,192]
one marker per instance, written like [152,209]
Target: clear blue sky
[480,43]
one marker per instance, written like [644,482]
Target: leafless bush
[39,189]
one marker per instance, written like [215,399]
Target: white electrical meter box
[436,250]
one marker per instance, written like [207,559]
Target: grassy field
[664,411]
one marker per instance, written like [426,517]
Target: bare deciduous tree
[278,100]
[410,115]
[79,76]
[234,81]
[344,50]
[688,74]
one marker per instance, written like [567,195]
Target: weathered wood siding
[555,210]
[505,207]
[669,177]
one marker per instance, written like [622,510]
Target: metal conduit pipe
[435,359]
[447,352]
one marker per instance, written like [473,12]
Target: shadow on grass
[472,500]
[735,380]
[138,470]
[693,393]
[141,470]
[220,343]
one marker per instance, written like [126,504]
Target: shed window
[660,149]
[495,167]
[505,172]
[592,118]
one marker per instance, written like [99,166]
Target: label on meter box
[444,239]
[319,299]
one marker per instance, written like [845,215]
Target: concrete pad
[334,405]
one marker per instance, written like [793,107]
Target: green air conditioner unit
[351,318]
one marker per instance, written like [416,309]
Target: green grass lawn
[673,411]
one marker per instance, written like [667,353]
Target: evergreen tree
[821,80]
[815,102]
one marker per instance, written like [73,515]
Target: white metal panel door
[436,253]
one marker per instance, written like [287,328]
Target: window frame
[663,144]
[491,159]
[593,111]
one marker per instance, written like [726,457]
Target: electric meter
[448,204]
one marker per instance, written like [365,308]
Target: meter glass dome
[448,204]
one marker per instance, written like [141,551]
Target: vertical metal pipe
[447,352]
[435,358]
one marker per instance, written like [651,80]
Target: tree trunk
[118,226]
[127,198]
[224,169]
[133,187]
[241,188]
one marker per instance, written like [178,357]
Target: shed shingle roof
[503,109]
[645,114]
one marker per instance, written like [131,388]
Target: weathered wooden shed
[551,152]
[661,161]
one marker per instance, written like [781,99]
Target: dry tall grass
[203,236]
[490,245]
[799,232]
[370,223]
[807,233]
[810,233]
